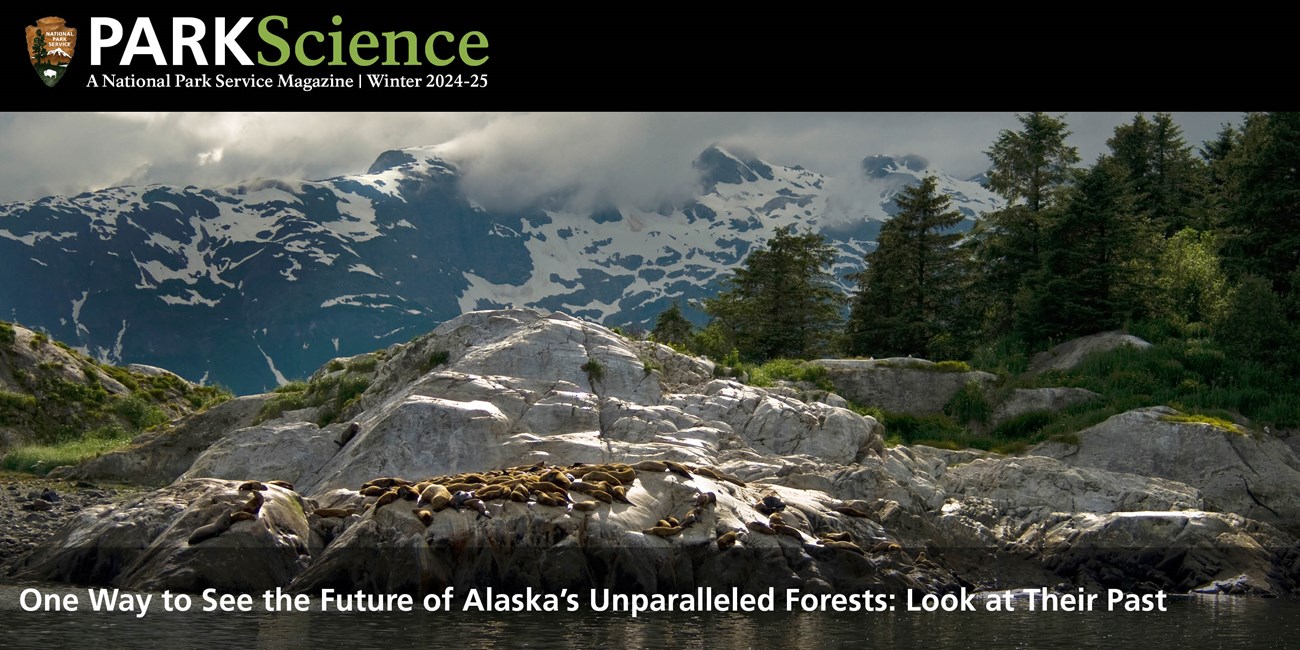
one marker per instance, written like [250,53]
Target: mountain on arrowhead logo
[50,45]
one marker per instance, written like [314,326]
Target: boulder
[1252,475]
[903,385]
[1030,400]
[1070,354]
[143,544]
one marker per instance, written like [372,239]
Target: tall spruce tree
[672,327]
[1166,179]
[1262,208]
[1032,168]
[1094,264]
[907,294]
[783,301]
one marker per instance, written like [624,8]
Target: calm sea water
[1200,623]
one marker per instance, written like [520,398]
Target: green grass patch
[334,365]
[364,364]
[7,335]
[291,387]
[436,358]
[790,370]
[1198,418]
[969,406]
[40,459]
[595,371]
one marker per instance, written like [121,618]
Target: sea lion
[490,492]
[852,512]
[650,466]
[705,498]
[693,516]
[672,521]
[348,434]
[481,507]
[435,496]
[663,523]
[385,499]
[760,527]
[373,491]
[662,531]
[407,492]
[219,525]
[844,546]
[254,504]
[619,493]
[519,494]
[459,498]
[251,485]
[557,477]
[775,518]
[788,531]
[460,486]
[727,539]
[583,486]
[623,473]
[601,495]
[731,479]
[548,500]
[705,472]
[586,506]
[771,503]
[473,478]
[424,516]
[283,484]
[886,547]
[678,469]
[329,513]
[385,482]
[242,516]
[600,475]
[842,536]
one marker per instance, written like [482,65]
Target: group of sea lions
[248,512]
[552,486]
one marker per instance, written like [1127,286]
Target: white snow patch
[362,268]
[279,378]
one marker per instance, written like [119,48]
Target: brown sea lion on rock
[330,513]
[283,484]
[728,539]
[242,516]
[788,531]
[843,536]
[678,469]
[385,482]
[586,506]
[348,434]
[705,498]
[251,485]
[435,496]
[386,498]
[844,546]
[760,527]
[663,531]
[254,504]
[219,525]
[373,491]
[650,466]
[424,516]
[852,512]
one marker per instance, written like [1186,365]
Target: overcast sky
[641,158]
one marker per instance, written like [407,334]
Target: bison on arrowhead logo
[50,44]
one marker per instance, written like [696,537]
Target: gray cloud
[592,158]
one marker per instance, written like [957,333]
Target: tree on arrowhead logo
[50,44]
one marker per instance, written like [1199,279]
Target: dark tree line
[1152,231]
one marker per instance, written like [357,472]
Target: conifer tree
[782,302]
[907,295]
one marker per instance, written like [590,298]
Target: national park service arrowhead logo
[50,44]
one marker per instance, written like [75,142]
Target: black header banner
[493,58]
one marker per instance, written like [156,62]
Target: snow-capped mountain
[249,285]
